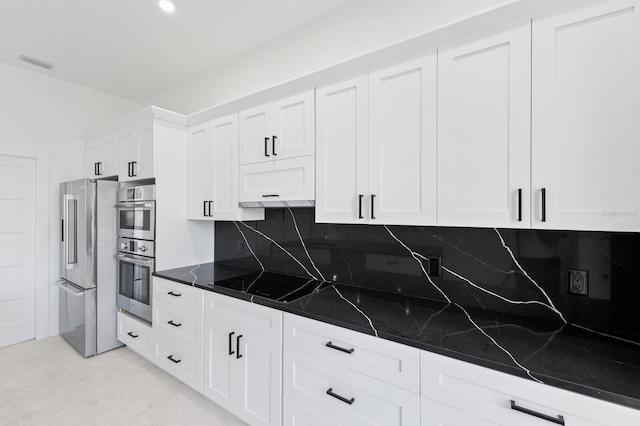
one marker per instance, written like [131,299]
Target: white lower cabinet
[471,391]
[243,359]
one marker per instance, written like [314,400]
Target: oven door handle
[135,260]
[134,205]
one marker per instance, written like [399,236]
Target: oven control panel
[139,247]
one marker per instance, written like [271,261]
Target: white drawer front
[183,364]
[181,325]
[384,360]
[134,333]
[261,320]
[309,381]
[488,394]
[295,414]
[291,179]
[436,414]
[178,294]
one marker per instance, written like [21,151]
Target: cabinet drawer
[134,333]
[262,321]
[178,294]
[294,414]
[283,180]
[381,359]
[183,364]
[488,394]
[343,395]
[180,325]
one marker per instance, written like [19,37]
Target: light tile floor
[46,382]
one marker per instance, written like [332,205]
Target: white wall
[44,117]
[352,31]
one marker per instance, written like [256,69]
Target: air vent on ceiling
[36,62]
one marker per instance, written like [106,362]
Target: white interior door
[17,249]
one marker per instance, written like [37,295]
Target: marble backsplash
[520,272]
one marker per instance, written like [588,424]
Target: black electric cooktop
[272,286]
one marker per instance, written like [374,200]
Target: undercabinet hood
[271,204]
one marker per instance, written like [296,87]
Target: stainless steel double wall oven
[136,209]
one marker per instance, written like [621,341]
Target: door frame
[41,291]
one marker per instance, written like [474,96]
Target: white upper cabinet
[137,152]
[102,157]
[342,151]
[484,132]
[585,159]
[212,180]
[278,130]
[376,154]
[402,143]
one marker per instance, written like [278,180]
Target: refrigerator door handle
[70,230]
[66,287]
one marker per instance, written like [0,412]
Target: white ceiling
[132,49]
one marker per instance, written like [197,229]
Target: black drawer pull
[270,195]
[231,351]
[135,336]
[341,398]
[558,420]
[171,293]
[172,359]
[173,323]
[338,348]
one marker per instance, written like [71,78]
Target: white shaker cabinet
[137,151]
[212,172]
[243,359]
[586,82]
[102,156]
[484,132]
[376,147]
[278,130]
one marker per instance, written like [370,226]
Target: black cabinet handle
[558,420]
[266,148]
[95,169]
[171,293]
[373,197]
[210,204]
[204,208]
[129,169]
[171,358]
[238,356]
[338,348]
[544,205]
[135,336]
[273,145]
[62,230]
[341,398]
[133,168]
[231,352]
[270,195]
[519,204]
[360,197]
[99,168]
[173,323]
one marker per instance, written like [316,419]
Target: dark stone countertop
[564,356]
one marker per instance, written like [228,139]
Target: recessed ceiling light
[166,5]
[36,62]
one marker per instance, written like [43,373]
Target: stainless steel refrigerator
[87,282]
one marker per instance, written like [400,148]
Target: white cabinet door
[259,371]
[484,133]
[402,143]
[200,172]
[219,361]
[102,157]
[342,152]
[137,152]
[278,130]
[293,126]
[586,163]
[255,138]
